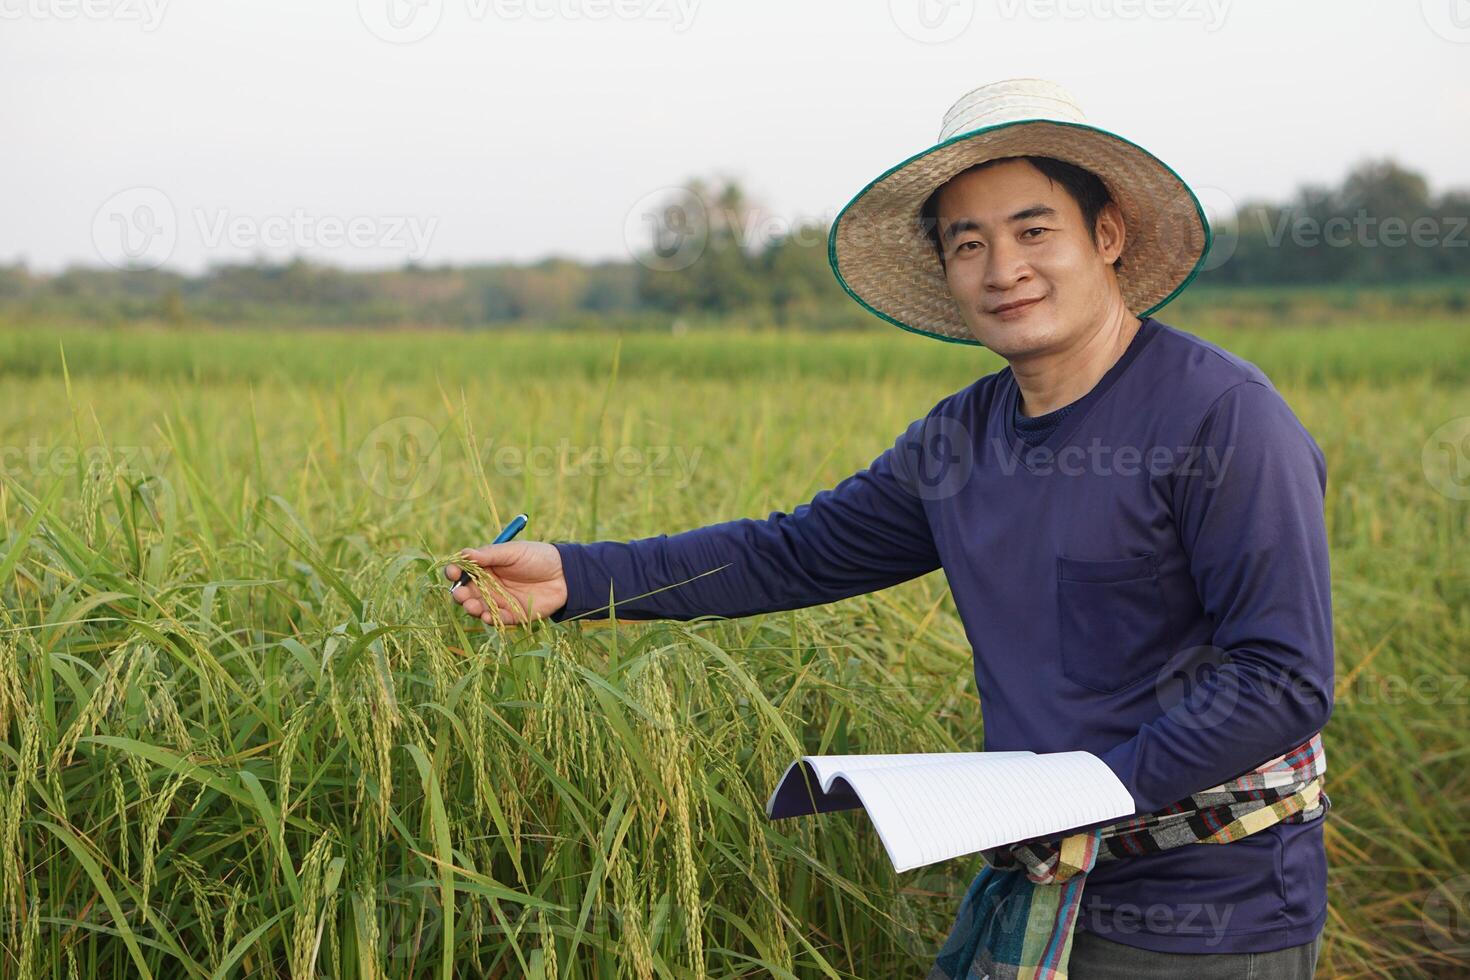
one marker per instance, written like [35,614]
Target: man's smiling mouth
[1015,308]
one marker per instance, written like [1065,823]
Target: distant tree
[15,281]
[1379,226]
[171,310]
[700,256]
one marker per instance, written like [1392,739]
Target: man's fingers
[475,604]
[463,588]
[468,594]
[481,557]
[482,611]
[491,554]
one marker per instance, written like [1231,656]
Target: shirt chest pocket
[1112,621]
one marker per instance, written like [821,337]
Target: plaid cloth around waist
[1017,918]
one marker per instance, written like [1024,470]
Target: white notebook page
[930,807]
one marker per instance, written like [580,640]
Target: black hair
[1083,186]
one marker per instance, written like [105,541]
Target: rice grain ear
[487,584]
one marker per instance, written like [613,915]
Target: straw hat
[883,258]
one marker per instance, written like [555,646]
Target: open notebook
[934,806]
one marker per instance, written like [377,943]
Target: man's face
[1022,237]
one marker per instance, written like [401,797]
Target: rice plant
[247,733]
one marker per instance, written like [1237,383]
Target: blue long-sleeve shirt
[1173,516]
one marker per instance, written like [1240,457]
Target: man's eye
[1028,231]
[963,245]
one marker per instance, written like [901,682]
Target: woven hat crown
[1009,101]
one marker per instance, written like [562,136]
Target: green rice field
[246,733]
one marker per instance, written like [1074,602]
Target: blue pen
[515,526]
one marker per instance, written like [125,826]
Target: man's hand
[529,572]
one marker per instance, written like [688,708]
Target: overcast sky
[370,133]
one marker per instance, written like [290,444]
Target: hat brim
[883,259]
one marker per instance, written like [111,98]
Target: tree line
[708,255]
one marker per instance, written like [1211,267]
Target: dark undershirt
[1035,430]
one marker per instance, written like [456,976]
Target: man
[1124,504]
